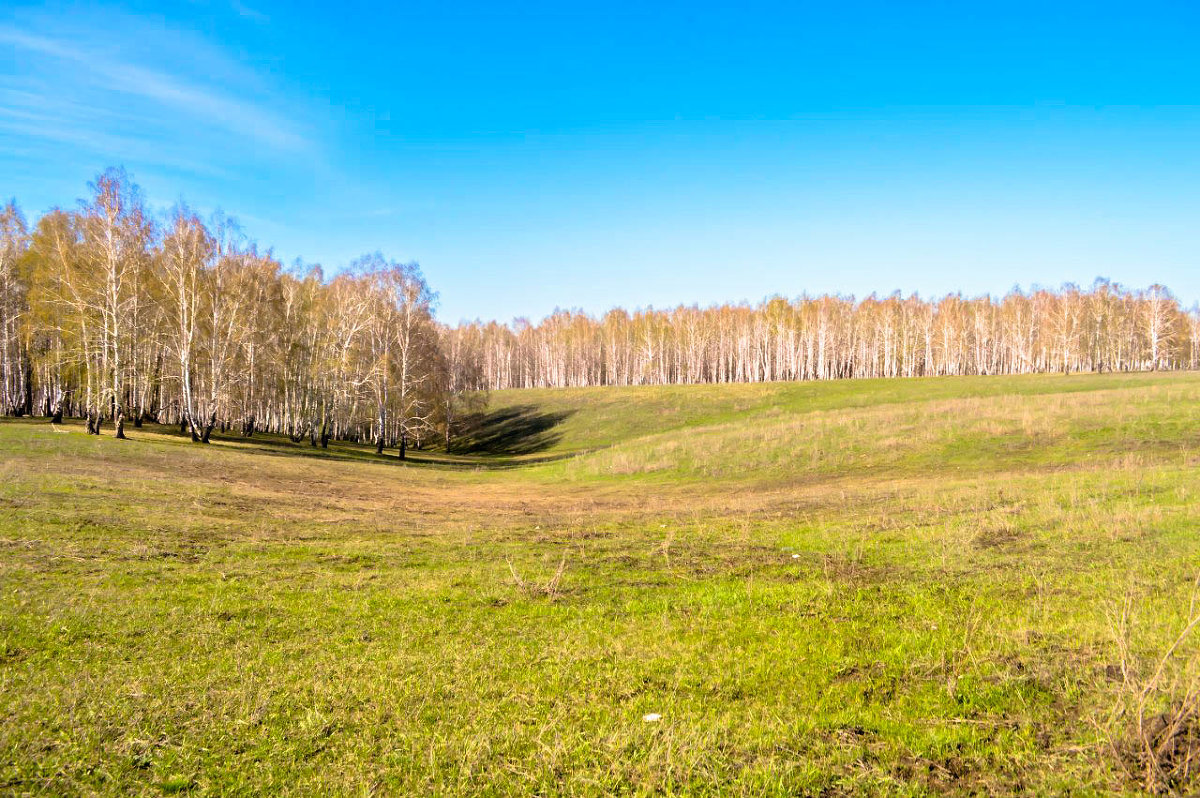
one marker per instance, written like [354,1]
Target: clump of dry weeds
[1154,728]
[530,588]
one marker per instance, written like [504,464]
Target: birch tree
[16,369]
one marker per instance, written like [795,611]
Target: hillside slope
[786,431]
[891,588]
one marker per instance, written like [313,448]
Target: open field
[886,587]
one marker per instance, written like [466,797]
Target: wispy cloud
[212,107]
[36,118]
[246,12]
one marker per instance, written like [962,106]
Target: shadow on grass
[512,431]
[500,440]
[280,445]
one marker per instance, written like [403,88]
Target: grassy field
[903,587]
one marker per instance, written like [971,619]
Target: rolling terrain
[899,587]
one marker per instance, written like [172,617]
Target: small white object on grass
[795,556]
[652,717]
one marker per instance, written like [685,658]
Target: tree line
[111,314]
[1103,328]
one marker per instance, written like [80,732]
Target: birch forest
[116,315]
[1102,328]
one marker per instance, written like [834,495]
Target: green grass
[884,587]
[599,417]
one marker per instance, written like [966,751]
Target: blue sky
[541,155]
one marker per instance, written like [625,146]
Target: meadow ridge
[894,587]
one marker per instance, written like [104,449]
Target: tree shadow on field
[520,429]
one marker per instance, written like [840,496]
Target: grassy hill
[891,587]
[598,417]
